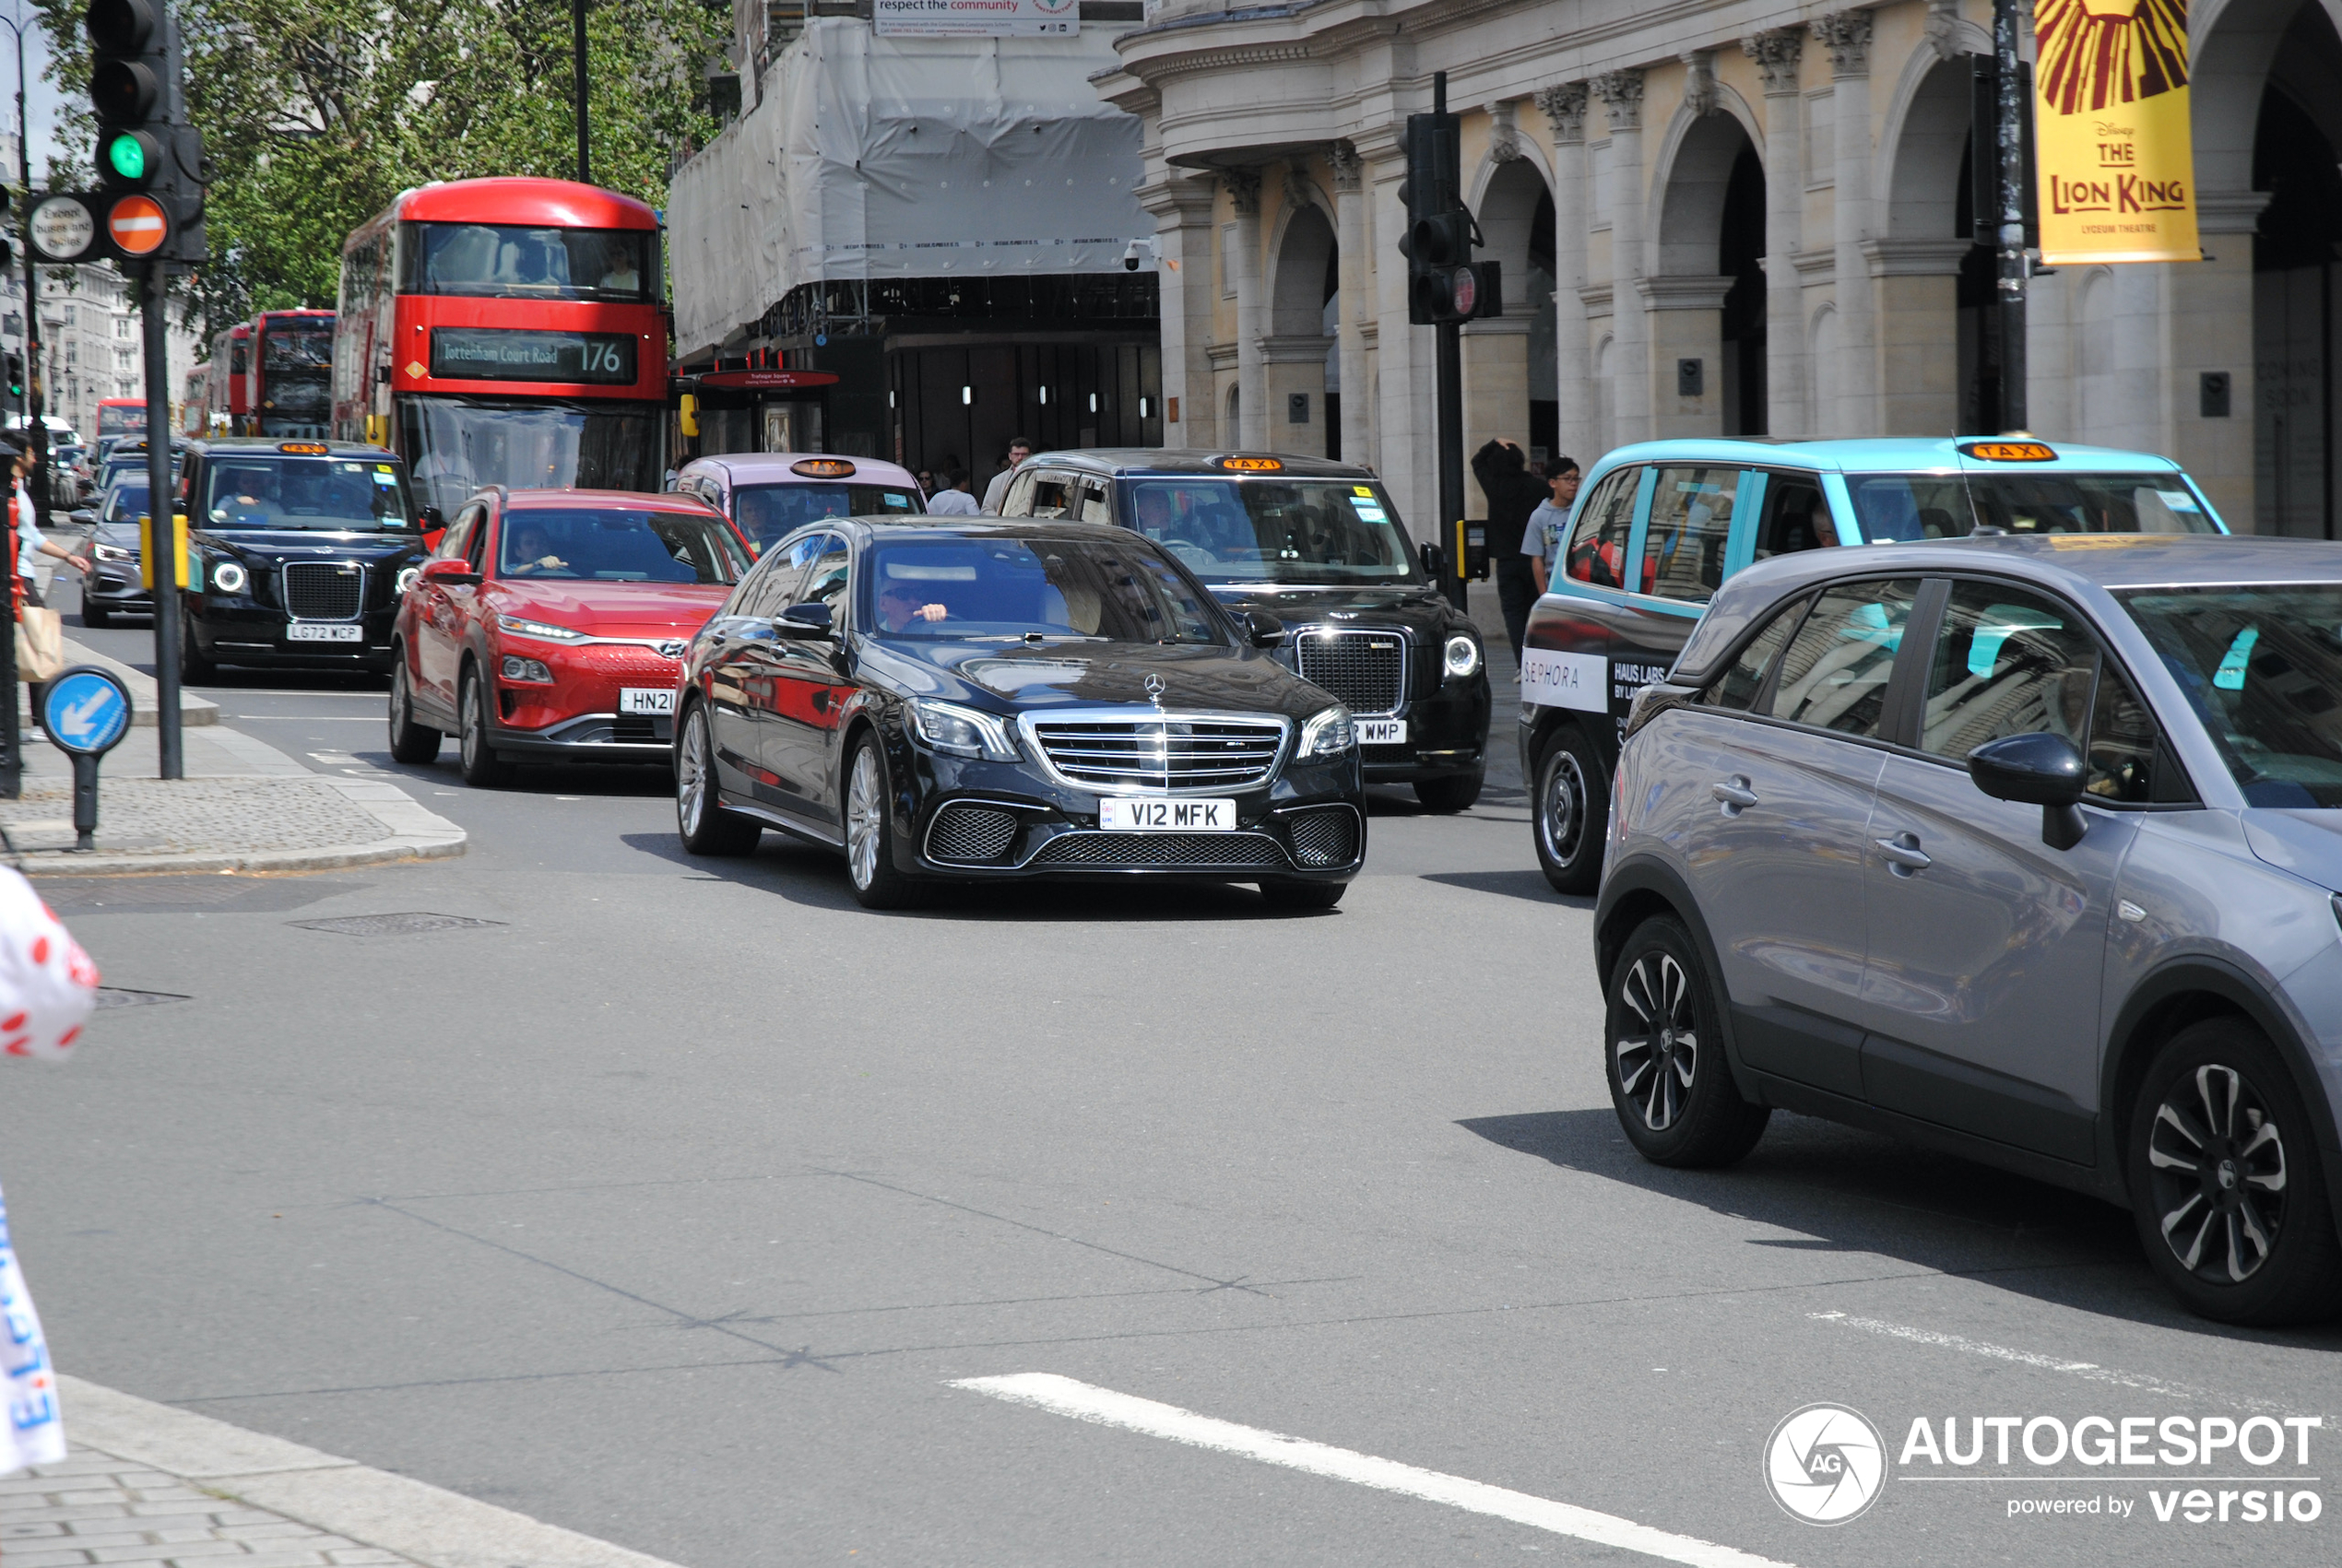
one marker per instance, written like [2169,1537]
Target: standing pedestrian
[48,987]
[1548,528]
[1019,448]
[1513,493]
[953,500]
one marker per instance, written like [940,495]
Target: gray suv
[2023,849]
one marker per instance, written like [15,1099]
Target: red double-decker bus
[506,331]
[119,416]
[290,386]
[230,373]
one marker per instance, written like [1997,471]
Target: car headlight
[1462,655]
[542,630]
[111,552]
[960,732]
[517,668]
[1328,735]
[230,577]
[406,578]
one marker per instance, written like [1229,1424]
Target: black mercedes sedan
[1318,544]
[990,699]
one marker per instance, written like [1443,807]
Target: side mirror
[2035,770]
[1435,561]
[434,518]
[85,517]
[451,573]
[1263,630]
[811,619]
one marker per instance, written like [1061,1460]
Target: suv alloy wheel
[1665,1055]
[1570,812]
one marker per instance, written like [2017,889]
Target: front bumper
[1447,736]
[237,631]
[592,738]
[1306,824]
[576,717]
[115,587]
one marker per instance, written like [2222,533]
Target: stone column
[2209,308]
[1778,55]
[1182,211]
[1847,36]
[1252,312]
[1353,309]
[1916,283]
[1622,96]
[1564,106]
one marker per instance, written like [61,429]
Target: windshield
[1949,506]
[975,590]
[619,544]
[511,260]
[121,419]
[268,490]
[457,444]
[295,346]
[1276,530]
[766,512]
[2261,667]
[126,504]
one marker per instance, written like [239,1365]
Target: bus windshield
[306,344]
[508,261]
[121,419]
[457,444]
[1276,530]
[266,489]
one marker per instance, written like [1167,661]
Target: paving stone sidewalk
[96,1509]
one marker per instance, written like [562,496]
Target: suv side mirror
[1263,630]
[1434,563]
[811,619]
[2040,770]
[453,573]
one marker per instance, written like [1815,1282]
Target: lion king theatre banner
[2117,166]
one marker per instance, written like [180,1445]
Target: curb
[424,1523]
[416,834]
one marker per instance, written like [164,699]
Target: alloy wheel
[1657,1053]
[863,809]
[474,735]
[1561,807]
[2218,1164]
[691,772]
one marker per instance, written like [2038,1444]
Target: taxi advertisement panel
[2110,129]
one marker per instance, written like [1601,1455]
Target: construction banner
[2117,164]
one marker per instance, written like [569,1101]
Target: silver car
[2026,849]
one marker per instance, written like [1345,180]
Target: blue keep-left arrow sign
[86,710]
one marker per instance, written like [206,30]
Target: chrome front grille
[1162,852]
[324,590]
[972,833]
[1156,754]
[1367,670]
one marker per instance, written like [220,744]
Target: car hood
[1074,675]
[2307,844]
[301,544]
[1398,604]
[615,609]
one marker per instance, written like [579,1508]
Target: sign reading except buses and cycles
[2110,131]
[976,18]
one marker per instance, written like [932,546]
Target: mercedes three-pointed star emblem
[1154,690]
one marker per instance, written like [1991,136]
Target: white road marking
[1065,1396]
[336,758]
[2090,1370]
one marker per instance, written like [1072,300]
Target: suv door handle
[1904,857]
[1734,795]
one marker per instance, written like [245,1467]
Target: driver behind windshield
[900,604]
[532,552]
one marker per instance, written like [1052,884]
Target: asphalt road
[670,1200]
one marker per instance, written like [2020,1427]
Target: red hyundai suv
[550,625]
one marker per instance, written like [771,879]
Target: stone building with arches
[1714,219]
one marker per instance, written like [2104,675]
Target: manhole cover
[115,997]
[392,925]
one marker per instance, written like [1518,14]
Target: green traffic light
[127,157]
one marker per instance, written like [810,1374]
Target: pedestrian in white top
[1019,448]
[29,542]
[1548,528]
[953,500]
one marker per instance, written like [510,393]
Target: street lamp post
[11,732]
[577,42]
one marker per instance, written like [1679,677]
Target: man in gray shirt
[1548,528]
[1019,448]
[953,500]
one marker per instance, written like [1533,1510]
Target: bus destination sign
[472,353]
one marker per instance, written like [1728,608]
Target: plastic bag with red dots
[47,984]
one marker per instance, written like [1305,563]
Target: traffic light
[16,374]
[150,160]
[1443,282]
[8,251]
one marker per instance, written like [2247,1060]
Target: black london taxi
[1318,546]
[298,553]
[1660,526]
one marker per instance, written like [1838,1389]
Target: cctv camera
[1131,256]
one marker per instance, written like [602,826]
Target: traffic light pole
[577,41]
[1447,375]
[2009,102]
[11,729]
[162,507]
